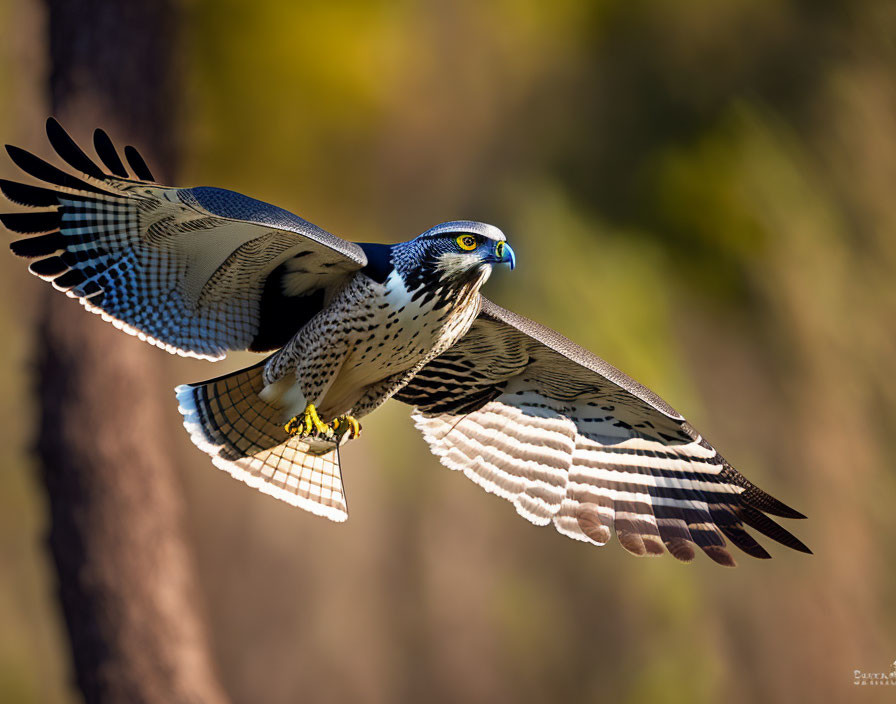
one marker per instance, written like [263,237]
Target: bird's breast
[402,330]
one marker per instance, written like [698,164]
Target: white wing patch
[521,456]
[534,455]
[568,443]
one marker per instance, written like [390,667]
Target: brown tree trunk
[125,575]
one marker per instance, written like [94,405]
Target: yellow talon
[353,429]
[307,423]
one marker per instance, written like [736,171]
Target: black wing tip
[797,516]
[757,551]
[31,223]
[722,556]
[40,246]
[798,545]
[74,156]
[759,521]
[108,154]
[27,195]
[15,152]
[755,497]
[69,151]
[48,268]
[771,505]
[27,161]
[44,171]
[138,165]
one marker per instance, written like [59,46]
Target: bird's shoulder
[379,261]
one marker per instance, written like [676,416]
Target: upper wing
[569,439]
[196,271]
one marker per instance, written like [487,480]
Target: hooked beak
[504,254]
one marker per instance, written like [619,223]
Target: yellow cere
[466,242]
[499,249]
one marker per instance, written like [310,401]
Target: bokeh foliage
[699,191]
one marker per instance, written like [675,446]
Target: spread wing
[196,271]
[570,440]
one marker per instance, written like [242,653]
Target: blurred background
[699,192]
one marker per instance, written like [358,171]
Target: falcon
[526,414]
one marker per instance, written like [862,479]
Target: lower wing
[570,440]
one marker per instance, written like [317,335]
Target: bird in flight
[523,412]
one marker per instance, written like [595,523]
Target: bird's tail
[243,434]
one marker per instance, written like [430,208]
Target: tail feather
[227,419]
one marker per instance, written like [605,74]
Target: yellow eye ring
[466,242]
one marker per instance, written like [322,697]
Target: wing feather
[107,153]
[522,457]
[570,440]
[137,164]
[186,269]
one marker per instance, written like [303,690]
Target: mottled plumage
[520,410]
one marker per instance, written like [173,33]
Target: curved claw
[346,424]
[308,423]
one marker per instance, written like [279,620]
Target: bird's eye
[466,242]
[499,249]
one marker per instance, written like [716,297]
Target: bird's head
[452,258]
[464,248]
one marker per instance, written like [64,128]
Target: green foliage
[700,192]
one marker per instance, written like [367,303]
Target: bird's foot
[307,423]
[346,424]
